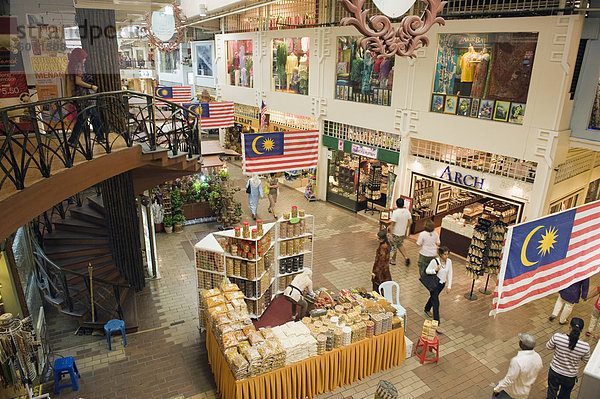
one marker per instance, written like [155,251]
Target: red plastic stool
[428,345]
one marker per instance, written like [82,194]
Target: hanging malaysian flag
[279,151]
[179,95]
[263,116]
[213,115]
[548,254]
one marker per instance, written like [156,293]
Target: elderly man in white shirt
[522,371]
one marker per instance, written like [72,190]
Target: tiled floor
[167,358]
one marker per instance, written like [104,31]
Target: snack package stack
[254,360]
[429,329]
[337,337]
[377,319]
[278,360]
[346,336]
[359,331]
[295,338]
[370,332]
[203,306]
[321,344]
[237,363]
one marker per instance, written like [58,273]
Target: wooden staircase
[77,241]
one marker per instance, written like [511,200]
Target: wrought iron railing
[46,133]
[53,280]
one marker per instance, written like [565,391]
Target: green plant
[179,218]
[223,175]
[176,200]
[168,221]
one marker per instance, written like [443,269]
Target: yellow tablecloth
[312,376]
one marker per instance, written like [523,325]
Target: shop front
[456,195]
[361,166]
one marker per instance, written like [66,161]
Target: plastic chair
[428,345]
[63,366]
[112,326]
[387,290]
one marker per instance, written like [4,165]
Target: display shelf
[263,293]
[210,271]
[250,260]
[248,279]
[300,236]
[291,256]
[231,233]
[291,273]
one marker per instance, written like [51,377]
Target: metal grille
[293,121]
[578,161]
[286,14]
[246,111]
[485,162]
[375,138]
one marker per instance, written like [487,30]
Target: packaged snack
[248,329]
[255,337]
[229,340]
[267,334]
[230,353]
[210,293]
[231,295]
[215,301]
[240,336]
[217,310]
[221,318]
[243,344]
[230,287]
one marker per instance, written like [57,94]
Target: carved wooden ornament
[158,43]
[382,39]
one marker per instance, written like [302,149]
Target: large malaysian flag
[548,254]
[213,115]
[179,95]
[280,151]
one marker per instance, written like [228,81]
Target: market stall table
[312,376]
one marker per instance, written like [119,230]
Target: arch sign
[162,27]
[384,40]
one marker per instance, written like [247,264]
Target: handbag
[266,189]
[430,281]
[248,189]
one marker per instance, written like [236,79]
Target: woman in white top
[442,267]
[429,241]
[295,292]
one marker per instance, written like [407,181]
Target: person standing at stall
[568,351]
[381,266]
[294,292]
[442,268]
[401,221]
[429,241]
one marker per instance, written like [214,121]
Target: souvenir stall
[348,336]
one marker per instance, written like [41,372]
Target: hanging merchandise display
[290,65]
[484,75]
[361,76]
[18,351]
[240,70]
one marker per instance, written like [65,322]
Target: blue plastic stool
[62,366]
[112,326]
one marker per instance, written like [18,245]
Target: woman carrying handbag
[440,268]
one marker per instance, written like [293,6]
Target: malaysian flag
[213,115]
[279,151]
[263,116]
[547,255]
[179,95]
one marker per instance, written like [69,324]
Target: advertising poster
[13,81]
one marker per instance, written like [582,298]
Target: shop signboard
[462,179]
[13,82]
[364,151]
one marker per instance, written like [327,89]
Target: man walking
[522,371]
[401,221]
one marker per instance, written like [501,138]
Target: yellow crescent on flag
[254,146]
[524,259]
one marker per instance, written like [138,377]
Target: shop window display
[239,63]
[290,65]
[170,61]
[484,76]
[360,76]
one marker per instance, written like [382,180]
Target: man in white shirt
[401,221]
[522,371]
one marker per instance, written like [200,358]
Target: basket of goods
[324,300]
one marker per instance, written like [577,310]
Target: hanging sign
[164,29]
[364,151]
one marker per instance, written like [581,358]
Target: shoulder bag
[430,281]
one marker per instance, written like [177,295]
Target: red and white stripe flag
[220,115]
[547,255]
[279,151]
[178,94]
[263,116]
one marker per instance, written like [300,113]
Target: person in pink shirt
[595,314]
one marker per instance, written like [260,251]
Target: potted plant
[168,224]
[178,220]
[158,215]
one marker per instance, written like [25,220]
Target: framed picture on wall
[501,111]
[444,194]
[464,106]
[437,103]
[384,215]
[204,58]
[517,113]
[475,108]
[450,104]
[486,109]
[443,207]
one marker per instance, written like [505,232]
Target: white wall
[543,137]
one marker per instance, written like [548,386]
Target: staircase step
[78,311]
[79,226]
[68,237]
[55,252]
[97,203]
[56,301]
[82,262]
[88,214]
[99,271]
[129,307]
